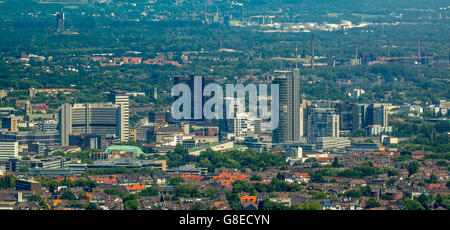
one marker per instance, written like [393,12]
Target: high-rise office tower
[123,100]
[197,98]
[349,119]
[302,121]
[322,122]
[376,114]
[59,22]
[288,129]
[104,119]
[65,123]
[10,123]
[303,117]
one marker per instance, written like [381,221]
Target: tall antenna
[220,38]
[204,11]
[312,51]
[296,55]
[388,48]
[418,49]
[242,13]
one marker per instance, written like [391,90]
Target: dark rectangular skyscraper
[197,98]
[348,116]
[376,115]
[289,99]
[59,22]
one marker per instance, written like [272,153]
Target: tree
[7,182]
[256,178]
[443,200]
[433,179]
[92,206]
[175,181]
[211,192]
[67,195]
[186,191]
[271,205]
[335,163]
[391,182]
[243,186]
[355,193]
[131,205]
[372,203]
[423,199]
[150,191]
[412,205]
[318,195]
[179,149]
[23,169]
[310,206]
[196,206]
[412,167]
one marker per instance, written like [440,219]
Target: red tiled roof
[136,187]
[245,199]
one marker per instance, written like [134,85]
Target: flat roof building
[9,150]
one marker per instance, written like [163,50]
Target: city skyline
[224,105]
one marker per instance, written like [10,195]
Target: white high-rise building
[105,119]
[122,100]
[9,150]
[245,125]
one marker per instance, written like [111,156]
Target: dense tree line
[7,182]
[224,159]
[366,169]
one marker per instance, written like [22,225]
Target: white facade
[296,153]
[124,102]
[9,150]
[245,126]
[329,143]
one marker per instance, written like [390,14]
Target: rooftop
[128,148]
